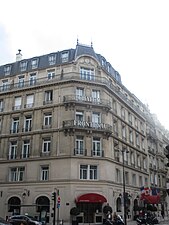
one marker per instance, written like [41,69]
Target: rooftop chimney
[18,55]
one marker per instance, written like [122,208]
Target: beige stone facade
[64,125]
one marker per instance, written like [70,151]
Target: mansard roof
[73,54]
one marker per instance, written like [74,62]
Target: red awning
[91,197]
[151,199]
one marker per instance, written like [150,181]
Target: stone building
[68,125]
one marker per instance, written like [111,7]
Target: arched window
[118,204]
[14,205]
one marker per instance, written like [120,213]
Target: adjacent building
[69,125]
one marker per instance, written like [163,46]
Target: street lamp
[124,187]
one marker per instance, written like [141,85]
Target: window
[52,59]
[143,143]
[44,173]
[79,145]
[7,70]
[88,172]
[134,183]
[32,79]
[136,123]
[79,94]
[132,158]
[86,74]
[123,113]
[131,136]
[29,101]
[23,66]
[96,96]
[126,177]
[115,127]
[114,106]
[96,150]
[13,150]
[46,145]
[137,140]
[64,57]
[16,174]
[145,163]
[47,119]
[15,125]
[5,85]
[1,105]
[51,74]
[79,116]
[140,181]
[130,118]
[21,81]
[27,123]
[34,63]
[96,119]
[17,103]
[48,96]
[139,161]
[118,176]
[123,131]
[25,149]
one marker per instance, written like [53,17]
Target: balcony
[80,152]
[97,153]
[70,126]
[70,100]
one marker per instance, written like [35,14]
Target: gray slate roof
[43,61]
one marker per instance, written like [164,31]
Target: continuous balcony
[70,126]
[72,100]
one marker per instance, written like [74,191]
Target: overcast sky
[133,35]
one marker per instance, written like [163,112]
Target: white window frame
[13,150]
[25,149]
[88,172]
[87,73]
[44,176]
[79,145]
[96,146]
[29,101]
[18,102]
[48,96]
[28,123]
[96,96]
[32,79]
[16,174]
[47,119]
[46,145]
[15,125]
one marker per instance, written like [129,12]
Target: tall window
[96,96]
[86,73]
[51,74]
[79,93]
[47,119]
[123,113]
[131,136]
[46,145]
[96,146]
[1,105]
[7,70]
[44,173]
[21,81]
[132,158]
[88,172]
[16,174]
[96,119]
[34,63]
[5,85]
[118,176]
[123,131]
[140,181]
[79,116]
[29,101]
[52,59]
[17,103]
[126,177]
[134,182]
[79,145]
[115,127]
[23,66]
[130,118]
[64,57]
[26,149]
[13,150]
[15,125]
[32,79]
[137,140]
[114,106]
[48,96]
[28,123]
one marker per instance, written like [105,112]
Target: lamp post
[124,190]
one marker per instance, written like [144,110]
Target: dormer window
[52,59]
[7,70]
[23,66]
[34,63]
[64,57]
